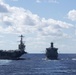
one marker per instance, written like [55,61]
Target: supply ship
[51,52]
[14,54]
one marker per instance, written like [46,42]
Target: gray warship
[51,52]
[14,54]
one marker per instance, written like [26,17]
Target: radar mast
[21,45]
[21,41]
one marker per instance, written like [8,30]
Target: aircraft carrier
[14,54]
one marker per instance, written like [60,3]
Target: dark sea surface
[37,64]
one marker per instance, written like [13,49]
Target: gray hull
[53,55]
[11,55]
[51,52]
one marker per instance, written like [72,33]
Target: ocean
[37,64]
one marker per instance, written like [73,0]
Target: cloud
[72,15]
[14,0]
[3,7]
[38,1]
[1,1]
[49,1]
[53,1]
[53,27]
[19,20]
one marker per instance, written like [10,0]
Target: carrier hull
[11,55]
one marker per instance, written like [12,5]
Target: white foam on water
[48,59]
[73,58]
[4,62]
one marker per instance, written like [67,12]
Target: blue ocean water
[37,64]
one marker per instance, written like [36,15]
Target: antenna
[21,38]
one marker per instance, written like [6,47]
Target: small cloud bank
[49,1]
[72,15]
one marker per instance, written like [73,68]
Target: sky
[41,22]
